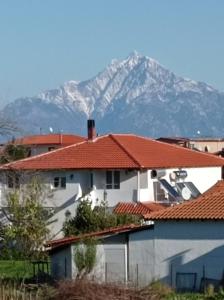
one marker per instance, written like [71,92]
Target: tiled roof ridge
[126,151]
[21,139]
[202,198]
[11,164]
[206,154]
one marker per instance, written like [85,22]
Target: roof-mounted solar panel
[171,191]
[194,191]
[190,186]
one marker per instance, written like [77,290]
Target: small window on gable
[112,180]
[60,182]
[51,148]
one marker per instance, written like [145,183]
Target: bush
[91,220]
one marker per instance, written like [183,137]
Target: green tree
[26,230]
[91,220]
[13,152]
[85,257]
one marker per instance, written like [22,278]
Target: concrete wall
[189,247]
[141,257]
[111,260]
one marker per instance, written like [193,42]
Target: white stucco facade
[135,185]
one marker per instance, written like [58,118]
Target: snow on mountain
[134,95]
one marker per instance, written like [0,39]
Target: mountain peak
[136,95]
[134,53]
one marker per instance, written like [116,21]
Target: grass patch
[15,269]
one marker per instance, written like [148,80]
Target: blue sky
[44,43]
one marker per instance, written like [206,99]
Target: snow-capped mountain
[134,95]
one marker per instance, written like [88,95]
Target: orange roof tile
[137,208]
[118,151]
[48,139]
[208,206]
[109,231]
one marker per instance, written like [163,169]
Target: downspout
[127,259]
[138,186]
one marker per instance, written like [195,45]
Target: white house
[116,168]
[184,248]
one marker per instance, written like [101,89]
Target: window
[112,180]
[51,148]
[60,182]
[91,180]
[13,181]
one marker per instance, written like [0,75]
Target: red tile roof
[118,151]
[99,234]
[49,139]
[209,206]
[138,208]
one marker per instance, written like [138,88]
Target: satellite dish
[51,129]
[185,193]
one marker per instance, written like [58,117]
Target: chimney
[91,129]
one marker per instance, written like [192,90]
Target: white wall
[141,257]
[98,273]
[111,260]
[126,193]
[78,185]
[203,178]
[35,150]
[189,247]
[64,200]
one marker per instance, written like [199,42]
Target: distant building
[211,145]
[47,142]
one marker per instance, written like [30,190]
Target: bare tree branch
[7,126]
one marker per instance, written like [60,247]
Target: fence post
[203,276]
[137,274]
[106,272]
